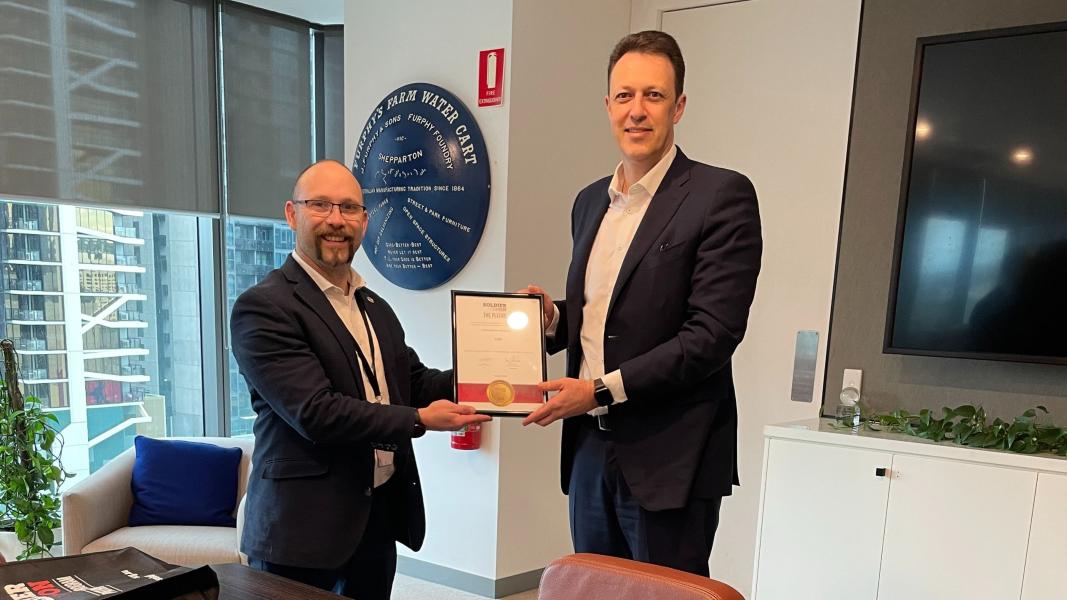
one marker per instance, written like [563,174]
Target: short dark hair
[652,42]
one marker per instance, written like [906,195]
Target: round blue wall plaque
[422,163]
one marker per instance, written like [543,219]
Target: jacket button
[369,491]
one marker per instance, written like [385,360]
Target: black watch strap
[602,394]
[418,430]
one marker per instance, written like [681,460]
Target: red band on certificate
[477,392]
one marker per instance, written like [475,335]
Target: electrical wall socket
[853,379]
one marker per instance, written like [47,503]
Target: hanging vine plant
[969,426]
[30,470]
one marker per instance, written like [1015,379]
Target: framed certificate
[498,351]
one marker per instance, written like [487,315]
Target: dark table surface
[238,582]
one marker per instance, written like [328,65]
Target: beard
[331,254]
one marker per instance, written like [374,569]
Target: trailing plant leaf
[967,425]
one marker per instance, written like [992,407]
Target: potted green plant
[30,470]
[969,425]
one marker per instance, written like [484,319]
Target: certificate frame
[494,381]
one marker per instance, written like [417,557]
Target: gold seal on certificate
[500,393]
[498,351]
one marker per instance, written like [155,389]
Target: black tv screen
[980,263]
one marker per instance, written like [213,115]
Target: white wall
[769,84]
[559,143]
[388,44]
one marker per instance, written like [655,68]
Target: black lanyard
[368,366]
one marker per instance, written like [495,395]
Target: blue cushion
[176,482]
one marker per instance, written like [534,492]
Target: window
[88,327]
[110,203]
[275,126]
[253,248]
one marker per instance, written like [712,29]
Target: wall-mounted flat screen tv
[980,263]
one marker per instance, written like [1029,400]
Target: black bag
[128,574]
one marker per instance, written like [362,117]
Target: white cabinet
[821,506]
[955,530]
[1048,541]
[941,521]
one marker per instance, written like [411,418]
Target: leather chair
[596,577]
[96,510]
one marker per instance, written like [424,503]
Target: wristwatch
[602,394]
[418,430]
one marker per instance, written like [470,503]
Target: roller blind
[109,103]
[267,105]
[333,107]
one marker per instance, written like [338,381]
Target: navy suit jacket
[309,491]
[677,312]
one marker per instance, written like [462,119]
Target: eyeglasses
[323,208]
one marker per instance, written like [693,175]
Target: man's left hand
[546,301]
[575,397]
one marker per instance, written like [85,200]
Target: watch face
[602,394]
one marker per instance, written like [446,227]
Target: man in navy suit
[338,396]
[663,272]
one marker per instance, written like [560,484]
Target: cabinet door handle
[881,472]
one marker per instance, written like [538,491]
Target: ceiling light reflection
[1022,156]
[922,129]
[518,320]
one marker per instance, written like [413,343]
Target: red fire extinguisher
[468,438]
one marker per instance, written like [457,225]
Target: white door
[1048,541]
[769,84]
[823,514]
[955,530]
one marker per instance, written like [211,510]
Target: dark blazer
[309,491]
[677,312]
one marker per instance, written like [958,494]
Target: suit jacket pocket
[663,253]
[291,468]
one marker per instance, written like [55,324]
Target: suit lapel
[672,191]
[307,292]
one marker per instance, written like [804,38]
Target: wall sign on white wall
[422,162]
[491,77]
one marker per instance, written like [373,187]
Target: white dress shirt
[344,303]
[624,215]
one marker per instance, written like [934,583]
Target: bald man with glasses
[338,396]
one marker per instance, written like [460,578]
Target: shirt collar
[649,184]
[355,280]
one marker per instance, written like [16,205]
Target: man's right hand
[442,415]
[547,301]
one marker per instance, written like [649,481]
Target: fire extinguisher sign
[491,77]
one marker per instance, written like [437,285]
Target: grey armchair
[96,510]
